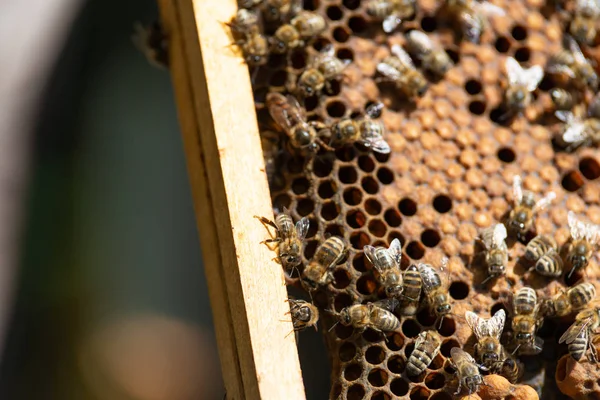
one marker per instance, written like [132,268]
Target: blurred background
[109,299]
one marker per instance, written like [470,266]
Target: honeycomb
[449,176]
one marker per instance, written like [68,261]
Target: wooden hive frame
[259,358]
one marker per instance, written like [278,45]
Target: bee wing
[532,77]
[488,9]
[395,250]
[556,68]
[514,72]
[419,41]
[565,116]
[421,339]
[374,109]
[517,189]
[399,52]
[472,26]
[388,71]
[387,304]
[475,322]
[574,330]
[457,354]
[377,144]
[575,50]
[499,235]
[295,108]
[390,23]
[370,253]
[428,276]
[280,114]
[327,51]
[495,325]
[576,227]
[575,132]
[302,228]
[544,202]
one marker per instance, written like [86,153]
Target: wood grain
[247,289]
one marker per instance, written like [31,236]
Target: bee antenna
[441,321]
[333,326]
[487,279]
[515,350]
[571,273]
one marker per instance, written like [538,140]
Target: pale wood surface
[247,289]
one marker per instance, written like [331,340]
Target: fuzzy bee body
[562,99]
[577,337]
[319,271]
[521,217]
[432,56]
[496,251]
[511,369]
[322,68]
[538,246]
[579,131]
[525,321]
[584,24]
[572,63]
[387,264]
[550,264]
[426,348]
[400,70]
[153,42]
[411,292]
[521,82]
[392,12]
[309,24]
[467,371]
[364,130]
[435,290]
[472,16]
[488,348]
[370,315]
[304,314]
[584,241]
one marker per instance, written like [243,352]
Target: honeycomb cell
[366,285]
[399,387]
[356,219]
[442,203]
[334,13]
[441,396]
[459,290]
[358,262]
[356,392]
[341,278]
[348,175]
[342,301]
[359,240]
[375,355]
[377,377]
[372,336]
[385,176]
[377,228]
[330,211]
[407,207]
[347,352]
[447,345]
[589,167]
[310,5]
[353,371]
[428,24]
[381,157]
[309,248]
[373,206]
[419,393]
[369,185]
[396,364]
[473,86]
[523,54]
[351,4]
[410,328]
[366,163]
[346,153]
[357,24]
[395,342]
[477,107]
[278,78]
[519,32]
[345,54]
[430,237]
[435,380]
[502,44]
[341,34]
[415,250]
[322,167]
[448,327]
[506,154]
[352,196]
[380,396]
[336,109]
[343,332]
[572,181]
[327,189]
[392,218]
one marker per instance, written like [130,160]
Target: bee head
[489,358]
[393,291]
[443,309]
[578,260]
[290,260]
[345,317]
[523,337]
[472,382]
[497,269]
[303,136]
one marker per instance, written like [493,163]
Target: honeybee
[466,370]
[496,252]
[432,56]
[593,110]
[511,368]
[543,250]
[426,348]
[289,238]
[255,47]
[562,99]
[525,321]
[400,70]
[304,26]
[290,116]
[392,12]
[371,315]
[277,10]
[584,241]
[319,272]
[578,334]
[436,291]
[521,217]
[304,314]
[364,130]
[472,16]
[585,19]
[488,331]
[573,64]
[152,41]
[249,3]
[322,69]
[566,302]
[521,82]
[411,291]
[577,131]
[244,21]
[387,264]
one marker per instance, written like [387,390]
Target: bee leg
[324,145]
[594,352]
[266,221]
[459,389]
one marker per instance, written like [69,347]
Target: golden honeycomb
[449,176]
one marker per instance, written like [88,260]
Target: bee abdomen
[285,224]
[578,347]
[549,265]
[538,246]
[525,300]
[385,320]
[417,362]
[330,250]
[581,294]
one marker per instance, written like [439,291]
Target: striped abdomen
[418,361]
[329,252]
[525,301]
[538,246]
[384,320]
[581,294]
[549,264]
[379,8]
[285,225]
[578,347]
[411,292]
